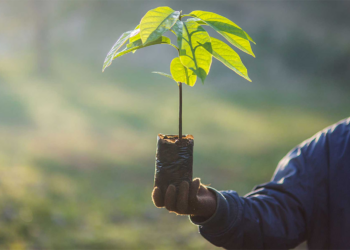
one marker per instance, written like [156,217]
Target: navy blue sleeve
[278,214]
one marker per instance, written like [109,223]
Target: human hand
[193,199]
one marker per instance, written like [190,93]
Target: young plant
[195,47]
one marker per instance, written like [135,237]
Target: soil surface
[185,140]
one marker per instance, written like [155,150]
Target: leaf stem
[180,99]
[180,111]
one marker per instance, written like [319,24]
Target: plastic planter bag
[174,161]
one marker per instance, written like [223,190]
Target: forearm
[260,221]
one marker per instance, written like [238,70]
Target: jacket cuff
[225,215]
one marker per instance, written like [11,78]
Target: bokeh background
[77,147]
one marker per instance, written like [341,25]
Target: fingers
[157,197]
[195,184]
[182,198]
[170,198]
[180,201]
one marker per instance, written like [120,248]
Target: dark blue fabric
[307,199]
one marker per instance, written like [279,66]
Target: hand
[192,198]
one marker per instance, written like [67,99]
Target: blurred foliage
[77,146]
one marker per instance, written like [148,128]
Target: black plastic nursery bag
[174,161]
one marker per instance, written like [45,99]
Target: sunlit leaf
[191,39]
[181,74]
[138,45]
[197,20]
[156,22]
[136,37]
[201,22]
[228,29]
[249,38]
[229,57]
[122,39]
[164,74]
[134,46]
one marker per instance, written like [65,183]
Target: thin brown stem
[180,111]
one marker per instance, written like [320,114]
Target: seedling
[195,49]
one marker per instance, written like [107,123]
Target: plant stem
[180,111]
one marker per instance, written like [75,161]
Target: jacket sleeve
[278,214]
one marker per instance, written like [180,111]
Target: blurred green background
[77,147]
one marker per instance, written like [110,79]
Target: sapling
[195,50]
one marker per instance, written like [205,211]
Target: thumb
[206,202]
[194,188]
[157,197]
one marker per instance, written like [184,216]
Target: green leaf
[164,74]
[228,29]
[138,45]
[197,20]
[177,28]
[191,39]
[229,57]
[136,37]
[156,22]
[134,46]
[181,74]
[122,39]
[165,40]
[249,38]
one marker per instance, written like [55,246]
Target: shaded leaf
[177,28]
[156,22]
[164,74]
[228,29]
[181,74]
[229,57]
[120,42]
[191,39]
